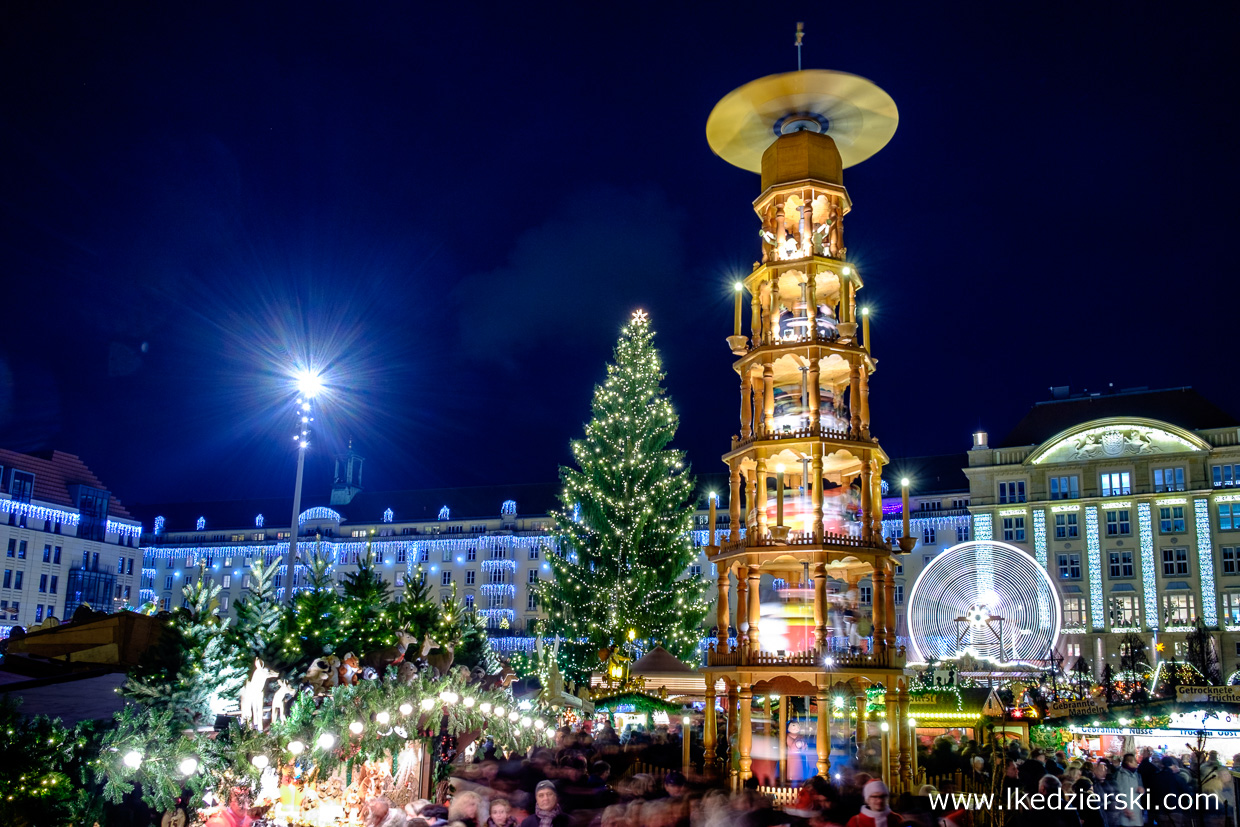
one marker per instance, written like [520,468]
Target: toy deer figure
[284,691]
[252,694]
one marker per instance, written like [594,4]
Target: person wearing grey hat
[547,812]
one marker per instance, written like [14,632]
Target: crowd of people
[588,781]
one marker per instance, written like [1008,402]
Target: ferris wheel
[986,598]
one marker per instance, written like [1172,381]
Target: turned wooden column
[773,313]
[854,402]
[892,741]
[742,608]
[816,473]
[815,398]
[820,606]
[744,733]
[879,591]
[722,615]
[906,764]
[876,496]
[755,318]
[768,398]
[762,496]
[755,606]
[867,501]
[892,626]
[747,406]
[824,731]
[708,724]
[811,301]
[862,732]
[864,376]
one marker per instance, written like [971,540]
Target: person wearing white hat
[875,813]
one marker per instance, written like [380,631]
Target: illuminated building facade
[489,543]
[66,539]
[1129,500]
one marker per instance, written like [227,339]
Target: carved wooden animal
[406,673]
[284,691]
[381,659]
[350,670]
[323,673]
[252,694]
[501,679]
[441,659]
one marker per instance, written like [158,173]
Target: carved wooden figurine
[252,694]
[284,691]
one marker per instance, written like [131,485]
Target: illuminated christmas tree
[625,523]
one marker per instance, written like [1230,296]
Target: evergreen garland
[625,522]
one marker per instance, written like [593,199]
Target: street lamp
[309,384]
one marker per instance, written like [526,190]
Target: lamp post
[308,386]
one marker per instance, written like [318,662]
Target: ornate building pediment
[1115,438]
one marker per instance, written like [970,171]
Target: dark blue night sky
[457,207]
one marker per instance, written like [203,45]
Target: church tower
[804,464]
[347,479]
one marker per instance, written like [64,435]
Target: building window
[168,582]
[56,555]
[899,594]
[1073,612]
[12,546]
[43,583]
[1171,519]
[469,578]
[928,536]
[1066,526]
[1012,491]
[533,576]
[21,553]
[1014,529]
[55,584]
[1168,479]
[445,579]
[1175,561]
[47,553]
[1178,609]
[1231,608]
[1119,523]
[498,576]
[1228,516]
[695,572]
[38,613]
[471,555]
[1124,611]
[226,581]
[224,603]
[533,552]
[1230,558]
[1120,564]
[867,595]
[926,558]
[17,579]
[8,578]
[1069,567]
[469,601]
[531,602]
[447,555]
[401,555]
[899,568]
[424,555]
[1065,488]
[962,533]
[1225,476]
[1115,483]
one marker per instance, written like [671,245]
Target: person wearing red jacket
[875,813]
